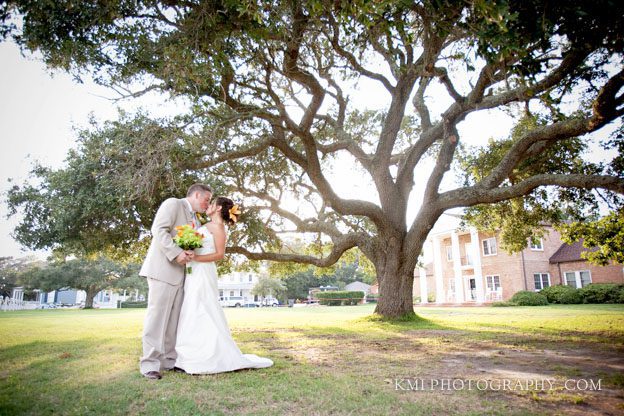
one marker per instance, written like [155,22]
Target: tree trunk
[91,292]
[396,278]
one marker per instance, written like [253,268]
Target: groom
[164,270]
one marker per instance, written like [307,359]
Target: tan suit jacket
[160,261]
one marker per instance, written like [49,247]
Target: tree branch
[236,154]
[443,164]
[334,40]
[474,195]
[517,152]
[312,225]
[419,103]
[442,75]
[341,245]
[568,65]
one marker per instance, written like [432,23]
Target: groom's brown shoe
[152,375]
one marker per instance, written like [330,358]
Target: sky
[40,109]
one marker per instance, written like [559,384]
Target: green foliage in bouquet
[188,238]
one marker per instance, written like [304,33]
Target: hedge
[372,297]
[562,294]
[339,298]
[133,304]
[602,293]
[527,298]
[501,304]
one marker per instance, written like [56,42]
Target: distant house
[568,267]
[469,267]
[238,284]
[358,286]
[105,299]
[314,290]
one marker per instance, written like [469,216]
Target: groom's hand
[183,258]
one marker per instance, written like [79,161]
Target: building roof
[570,252]
[357,285]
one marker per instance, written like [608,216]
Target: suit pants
[161,323]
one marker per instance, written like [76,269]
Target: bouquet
[188,239]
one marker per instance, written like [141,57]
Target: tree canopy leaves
[269,84]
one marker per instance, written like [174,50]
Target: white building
[238,284]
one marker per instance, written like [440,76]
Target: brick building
[469,267]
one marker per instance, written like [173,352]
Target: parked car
[269,302]
[232,301]
[250,305]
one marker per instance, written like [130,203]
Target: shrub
[562,294]
[504,304]
[133,304]
[620,297]
[372,297]
[337,298]
[526,298]
[601,293]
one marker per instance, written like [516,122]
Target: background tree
[605,234]
[267,287]
[90,275]
[299,283]
[349,273]
[10,271]
[269,84]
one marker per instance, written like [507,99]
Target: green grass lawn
[328,360]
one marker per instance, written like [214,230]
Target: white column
[437,270]
[423,285]
[476,263]
[459,280]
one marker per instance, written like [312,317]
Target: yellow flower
[234,211]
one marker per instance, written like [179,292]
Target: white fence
[8,304]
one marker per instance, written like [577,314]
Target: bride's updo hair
[225,204]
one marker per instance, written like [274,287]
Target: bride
[204,344]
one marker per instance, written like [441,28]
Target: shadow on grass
[80,377]
[339,369]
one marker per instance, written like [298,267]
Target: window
[489,246]
[221,293]
[449,253]
[250,278]
[492,283]
[231,293]
[541,280]
[578,279]
[240,293]
[536,244]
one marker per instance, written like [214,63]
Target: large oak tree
[269,81]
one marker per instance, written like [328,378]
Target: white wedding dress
[204,344]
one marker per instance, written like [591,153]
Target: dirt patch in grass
[545,376]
